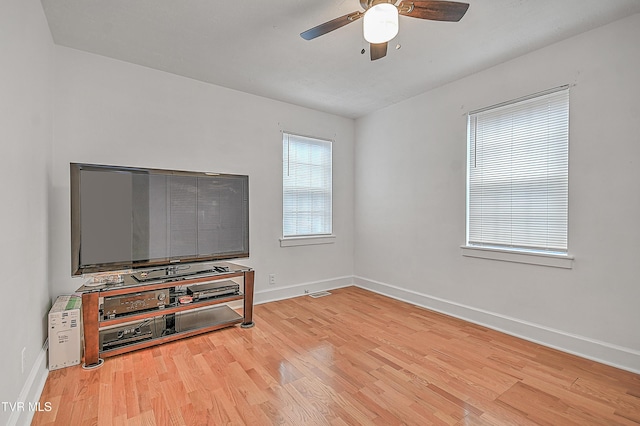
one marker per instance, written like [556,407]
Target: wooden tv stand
[107,334]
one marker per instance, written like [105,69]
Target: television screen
[125,217]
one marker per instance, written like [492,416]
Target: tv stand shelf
[171,309]
[133,327]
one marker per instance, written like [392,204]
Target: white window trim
[555,260]
[560,259]
[303,240]
[307,241]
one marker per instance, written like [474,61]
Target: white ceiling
[254,46]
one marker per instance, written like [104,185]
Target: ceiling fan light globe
[380,23]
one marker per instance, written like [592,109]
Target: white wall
[26,68]
[112,112]
[410,201]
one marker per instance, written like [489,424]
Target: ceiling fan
[381,20]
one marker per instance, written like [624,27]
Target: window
[517,180]
[306,186]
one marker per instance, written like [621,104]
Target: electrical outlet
[23,359]
[272,279]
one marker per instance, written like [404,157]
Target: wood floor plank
[353,357]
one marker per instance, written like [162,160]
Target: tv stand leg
[248,300]
[90,327]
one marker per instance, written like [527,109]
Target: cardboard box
[65,342]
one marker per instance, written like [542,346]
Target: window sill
[542,259]
[307,241]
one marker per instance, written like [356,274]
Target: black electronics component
[129,303]
[120,217]
[124,335]
[214,289]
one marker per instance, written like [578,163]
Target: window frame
[310,238]
[490,250]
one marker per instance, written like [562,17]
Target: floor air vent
[319,294]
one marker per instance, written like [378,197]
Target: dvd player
[214,289]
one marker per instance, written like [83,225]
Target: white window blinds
[306,186]
[517,189]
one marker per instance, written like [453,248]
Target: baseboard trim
[602,352]
[272,295]
[32,389]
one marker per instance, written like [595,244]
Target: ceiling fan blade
[329,26]
[450,11]
[378,50]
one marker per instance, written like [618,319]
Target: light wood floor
[351,358]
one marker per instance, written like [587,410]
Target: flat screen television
[128,218]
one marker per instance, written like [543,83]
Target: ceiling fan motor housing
[366,4]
